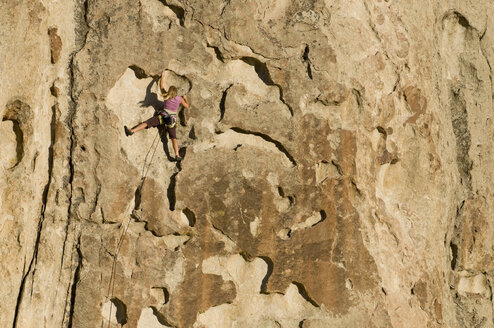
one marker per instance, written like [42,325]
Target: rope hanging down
[111,285]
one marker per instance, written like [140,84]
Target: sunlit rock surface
[337,164]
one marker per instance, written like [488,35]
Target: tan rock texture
[337,164]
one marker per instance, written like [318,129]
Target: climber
[168,116]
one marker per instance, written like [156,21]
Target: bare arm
[184,101]
[162,82]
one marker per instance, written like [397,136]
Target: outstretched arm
[184,101]
[162,82]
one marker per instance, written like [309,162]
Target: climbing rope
[145,170]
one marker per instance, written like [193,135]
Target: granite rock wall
[336,172]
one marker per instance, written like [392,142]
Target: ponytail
[171,93]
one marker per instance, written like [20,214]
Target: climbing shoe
[178,158]
[127,131]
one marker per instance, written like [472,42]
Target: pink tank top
[172,104]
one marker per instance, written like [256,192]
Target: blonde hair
[171,93]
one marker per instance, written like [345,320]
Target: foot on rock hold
[127,131]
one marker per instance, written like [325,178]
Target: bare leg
[140,127]
[175,146]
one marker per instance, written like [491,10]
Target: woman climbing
[167,116]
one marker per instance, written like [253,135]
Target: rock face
[337,164]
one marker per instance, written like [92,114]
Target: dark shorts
[155,121]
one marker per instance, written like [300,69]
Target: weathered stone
[55,44]
[336,172]
[55,91]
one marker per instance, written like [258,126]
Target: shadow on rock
[151,99]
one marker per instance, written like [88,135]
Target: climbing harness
[168,118]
